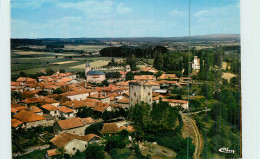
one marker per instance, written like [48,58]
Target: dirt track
[193,132]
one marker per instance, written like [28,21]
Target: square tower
[139,92]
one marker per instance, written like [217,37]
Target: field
[228,75]
[94,48]
[31,62]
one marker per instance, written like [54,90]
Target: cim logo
[226,150]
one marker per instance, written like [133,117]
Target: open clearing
[85,47]
[224,65]
[64,62]
[98,63]
[228,75]
[44,53]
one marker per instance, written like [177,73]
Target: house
[114,97]
[79,94]
[75,105]
[53,154]
[66,112]
[144,78]
[15,123]
[168,77]
[101,107]
[185,80]
[36,110]
[195,65]
[30,119]
[71,143]
[100,97]
[32,101]
[174,103]
[124,102]
[154,85]
[109,129]
[50,109]
[73,125]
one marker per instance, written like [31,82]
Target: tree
[85,112]
[95,151]
[22,74]
[49,71]
[158,74]
[161,117]
[62,70]
[129,76]
[206,90]
[158,61]
[106,115]
[115,142]
[132,62]
[94,129]
[235,81]
[105,82]
[57,91]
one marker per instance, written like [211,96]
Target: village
[62,110]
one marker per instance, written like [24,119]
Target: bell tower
[87,68]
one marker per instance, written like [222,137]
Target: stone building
[29,119]
[50,109]
[127,68]
[73,125]
[94,76]
[196,64]
[140,92]
[174,102]
[71,143]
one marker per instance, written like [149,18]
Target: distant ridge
[217,37]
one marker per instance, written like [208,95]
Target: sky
[122,18]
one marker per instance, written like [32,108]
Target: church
[94,76]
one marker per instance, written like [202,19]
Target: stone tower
[139,92]
[87,68]
[127,68]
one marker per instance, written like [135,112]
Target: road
[197,136]
[31,149]
[205,110]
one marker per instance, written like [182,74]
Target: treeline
[129,51]
[49,48]
[172,62]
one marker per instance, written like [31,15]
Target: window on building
[74,148]
[148,93]
[135,93]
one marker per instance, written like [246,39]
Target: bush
[95,151]
[94,129]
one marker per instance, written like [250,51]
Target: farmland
[31,62]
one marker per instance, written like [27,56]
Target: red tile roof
[27,116]
[49,107]
[15,123]
[53,152]
[65,109]
[64,138]
[35,109]
[110,128]
[74,123]
[144,77]
[175,101]
[123,100]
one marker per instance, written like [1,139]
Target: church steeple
[87,68]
